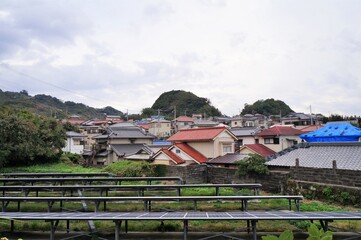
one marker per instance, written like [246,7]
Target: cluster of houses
[219,142]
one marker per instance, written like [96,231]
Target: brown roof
[279,130]
[229,158]
[259,149]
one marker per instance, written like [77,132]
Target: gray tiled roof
[125,133]
[230,158]
[126,149]
[245,131]
[320,155]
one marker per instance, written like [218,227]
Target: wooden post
[334,165]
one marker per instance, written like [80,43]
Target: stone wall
[191,174]
[327,176]
[296,180]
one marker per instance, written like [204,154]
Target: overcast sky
[125,53]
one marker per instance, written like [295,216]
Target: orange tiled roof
[279,130]
[197,156]
[184,119]
[311,128]
[144,125]
[260,149]
[196,134]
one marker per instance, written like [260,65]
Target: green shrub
[73,158]
[313,234]
[253,165]
[125,168]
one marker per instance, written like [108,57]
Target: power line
[5,66]
[42,81]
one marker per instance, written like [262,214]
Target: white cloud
[126,53]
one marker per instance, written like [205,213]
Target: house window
[268,141]
[227,148]
[271,141]
[177,151]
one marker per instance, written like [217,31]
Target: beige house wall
[248,140]
[206,148]
[284,142]
[246,151]
[222,140]
[236,123]
[161,129]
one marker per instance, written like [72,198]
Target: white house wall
[182,155]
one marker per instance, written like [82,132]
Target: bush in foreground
[125,168]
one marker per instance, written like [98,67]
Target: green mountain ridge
[53,107]
[169,104]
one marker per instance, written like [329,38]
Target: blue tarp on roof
[334,132]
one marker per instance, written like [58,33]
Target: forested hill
[184,103]
[50,106]
[267,107]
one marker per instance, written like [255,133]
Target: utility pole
[127,115]
[311,115]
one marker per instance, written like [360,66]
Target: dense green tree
[28,139]
[184,103]
[147,112]
[267,107]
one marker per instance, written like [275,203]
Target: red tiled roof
[197,156]
[260,149]
[183,119]
[279,130]
[196,134]
[173,156]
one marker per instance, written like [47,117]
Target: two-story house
[245,135]
[118,141]
[197,145]
[181,122]
[251,120]
[300,120]
[74,143]
[279,137]
[160,128]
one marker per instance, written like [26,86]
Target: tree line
[28,138]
